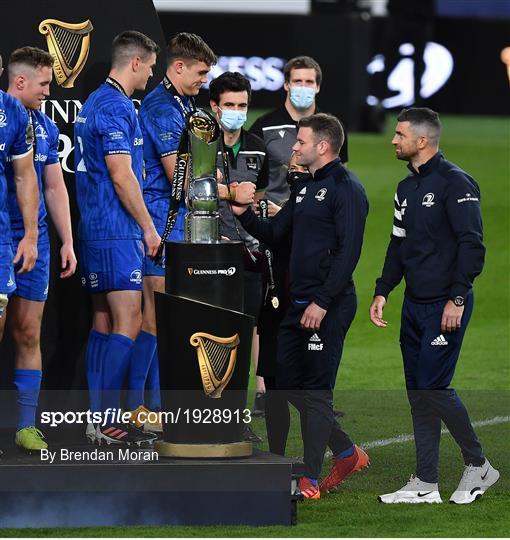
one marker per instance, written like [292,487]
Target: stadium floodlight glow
[290,7]
[438,69]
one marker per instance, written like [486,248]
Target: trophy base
[223,450]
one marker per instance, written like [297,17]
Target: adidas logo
[440,340]
[315,344]
[10,283]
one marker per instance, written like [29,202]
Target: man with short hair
[437,245]
[30,75]
[326,217]
[278,128]
[230,96]
[162,120]
[16,146]
[114,219]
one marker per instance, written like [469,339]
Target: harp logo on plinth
[216,360]
[69,45]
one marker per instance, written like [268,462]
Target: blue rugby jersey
[46,153]
[106,125]
[16,139]
[162,122]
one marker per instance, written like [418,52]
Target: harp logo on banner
[216,360]
[69,44]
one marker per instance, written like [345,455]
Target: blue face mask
[302,97]
[232,120]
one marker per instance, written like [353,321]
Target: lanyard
[114,84]
[173,92]
[31,122]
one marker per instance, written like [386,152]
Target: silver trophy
[202,219]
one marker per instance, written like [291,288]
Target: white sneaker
[414,492]
[474,483]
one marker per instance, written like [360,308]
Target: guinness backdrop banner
[79,35]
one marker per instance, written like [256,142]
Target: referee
[436,244]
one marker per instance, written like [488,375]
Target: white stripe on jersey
[19,156]
[398,215]
[398,231]
[279,127]
[252,152]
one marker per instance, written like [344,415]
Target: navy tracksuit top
[436,243]
[326,215]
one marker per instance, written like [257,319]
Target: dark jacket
[436,242]
[326,216]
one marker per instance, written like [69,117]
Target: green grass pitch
[370,382]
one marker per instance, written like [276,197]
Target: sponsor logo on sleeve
[468,198]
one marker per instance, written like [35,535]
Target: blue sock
[139,363]
[28,383]
[153,394]
[115,366]
[94,366]
[345,453]
[313,481]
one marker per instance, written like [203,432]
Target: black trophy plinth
[204,349]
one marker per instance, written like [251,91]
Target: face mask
[302,97]
[232,120]
[296,176]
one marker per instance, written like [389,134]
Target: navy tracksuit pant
[430,357]
[307,365]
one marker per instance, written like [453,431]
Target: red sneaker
[343,468]
[308,490]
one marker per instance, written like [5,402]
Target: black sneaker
[250,436]
[259,406]
[123,434]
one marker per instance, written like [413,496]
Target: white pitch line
[406,438]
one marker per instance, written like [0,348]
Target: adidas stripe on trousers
[430,357]
[306,369]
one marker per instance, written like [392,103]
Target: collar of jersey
[428,166]
[324,171]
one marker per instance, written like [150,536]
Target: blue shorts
[111,265]
[34,285]
[150,267]
[7,277]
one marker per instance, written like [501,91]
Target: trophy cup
[204,337]
[202,219]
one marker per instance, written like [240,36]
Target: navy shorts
[7,277]
[150,268]
[34,285]
[111,265]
